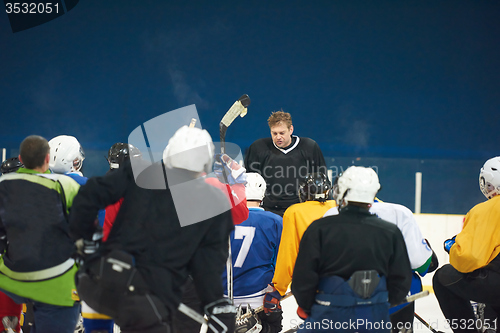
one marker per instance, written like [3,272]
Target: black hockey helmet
[120,152]
[11,165]
[316,186]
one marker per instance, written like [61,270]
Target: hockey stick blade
[239,108]
[414,297]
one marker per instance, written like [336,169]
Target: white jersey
[419,251]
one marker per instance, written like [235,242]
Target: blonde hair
[280,117]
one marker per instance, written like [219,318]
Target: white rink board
[438,228]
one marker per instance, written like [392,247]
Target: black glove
[434,261]
[221,316]
[271,322]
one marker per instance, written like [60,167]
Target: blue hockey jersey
[254,247]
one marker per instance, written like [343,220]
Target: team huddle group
[151,254]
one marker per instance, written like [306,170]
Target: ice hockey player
[254,247]
[230,179]
[148,255]
[351,266]
[118,153]
[121,152]
[34,206]
[314,194]
[66,158]
[10,311]
[474,269]
[423,260]
[281,160]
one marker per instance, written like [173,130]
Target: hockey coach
[283,159]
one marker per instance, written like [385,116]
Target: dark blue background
[404,85]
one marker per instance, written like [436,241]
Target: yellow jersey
[479,241]
[295,222]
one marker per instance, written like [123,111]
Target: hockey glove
[221,316]
[228,171]
[272,299]
[85,247]
[434,260]
[271,322]
[302,313]
[449,243]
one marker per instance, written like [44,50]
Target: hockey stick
[426,324]
[239,108]
[414,297]
[229,269]
[192,123]
[191,313]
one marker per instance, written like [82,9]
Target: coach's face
[282,135]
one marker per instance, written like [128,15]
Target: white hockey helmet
[255,188]
[190,148]
[66,154]
[358,184]
[489,177]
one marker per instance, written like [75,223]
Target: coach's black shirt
[283,169]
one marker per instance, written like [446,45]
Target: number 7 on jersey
[247,234]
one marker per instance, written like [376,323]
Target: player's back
[254,246]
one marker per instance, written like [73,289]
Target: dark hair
[33,150]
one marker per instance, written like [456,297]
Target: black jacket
[33,215]
[147,226]
[351,241]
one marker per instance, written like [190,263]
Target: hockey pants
[122,294]
[339,308]
[402,315]
[454,291]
